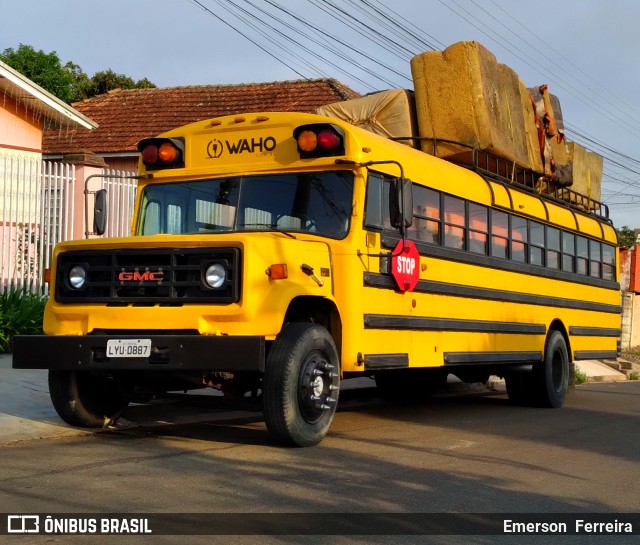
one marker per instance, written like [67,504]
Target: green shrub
[581,376]
[21,313]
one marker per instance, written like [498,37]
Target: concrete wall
[629,283]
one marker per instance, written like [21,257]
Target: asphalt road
[451,454]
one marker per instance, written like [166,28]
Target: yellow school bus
[274,254]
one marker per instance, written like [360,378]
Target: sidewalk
[26,412]
[25,407]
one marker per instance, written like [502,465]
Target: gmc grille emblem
[146,276]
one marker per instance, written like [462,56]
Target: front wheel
[301,384]
[85,400]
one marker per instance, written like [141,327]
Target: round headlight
[215,275]
[77,276]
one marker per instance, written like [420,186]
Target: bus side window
[478,228]
[595,259]
[582,253]
[536,243]
[519,239]
[454,222]
[553,248]
[374,206]
[568,252]
[426,215]
[608,262]
[499,234]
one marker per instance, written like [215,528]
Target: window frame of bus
[538,234]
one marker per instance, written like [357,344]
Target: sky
[588,51]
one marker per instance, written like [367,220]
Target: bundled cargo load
[470,109]
[551,137]
[464,95]
[587,172]
[387,113]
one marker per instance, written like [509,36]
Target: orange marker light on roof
[167,152]
[307,140]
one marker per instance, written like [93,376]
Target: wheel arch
[318,310]
[558,325]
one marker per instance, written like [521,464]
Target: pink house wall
[20,129]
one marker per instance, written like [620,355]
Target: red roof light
[328,140]
[150,154]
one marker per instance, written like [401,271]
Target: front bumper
[168,353]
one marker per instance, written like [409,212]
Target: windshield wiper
[270,228]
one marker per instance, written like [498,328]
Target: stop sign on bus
[405,265]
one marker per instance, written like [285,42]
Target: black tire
[548,383]
[85,400]
[301,385]
[520,387]
[551,379]
[410,385]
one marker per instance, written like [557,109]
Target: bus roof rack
[508,172]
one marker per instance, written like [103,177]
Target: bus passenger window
[536,243]
[426,214]
[478,229]
[553,248]
[595,258]
[568,252]
[582,253]
[499,234]
[454,222]
[608,262]
[518,239]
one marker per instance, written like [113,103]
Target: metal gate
[41,204]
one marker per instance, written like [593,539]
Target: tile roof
[126,116]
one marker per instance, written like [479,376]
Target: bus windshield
[316,202]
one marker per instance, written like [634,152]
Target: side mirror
[100,212]
[401,203]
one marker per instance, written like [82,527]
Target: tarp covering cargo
[388,113]
[587,171]
[463,94]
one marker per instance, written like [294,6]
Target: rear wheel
[548,383]
[85,400]
[552,378]
[301,384]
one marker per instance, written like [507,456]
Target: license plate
[128,348]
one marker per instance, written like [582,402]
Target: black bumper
[168,353]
